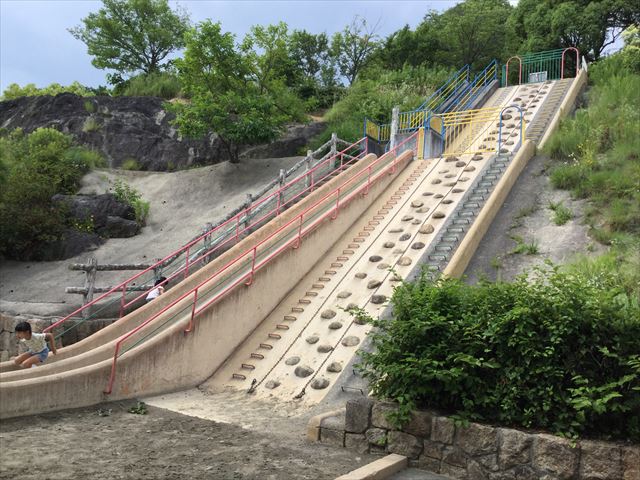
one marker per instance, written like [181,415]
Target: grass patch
[561,214]
[91,124]
[523,247]
[130,164]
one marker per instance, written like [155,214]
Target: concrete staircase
[540,122]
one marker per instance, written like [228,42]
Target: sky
[35,46]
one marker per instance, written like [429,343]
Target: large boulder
[136,130]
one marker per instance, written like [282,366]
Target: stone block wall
[477,452]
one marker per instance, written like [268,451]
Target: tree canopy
[131,36]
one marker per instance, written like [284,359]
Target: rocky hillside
[135,130]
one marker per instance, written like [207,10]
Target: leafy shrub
[556,351]
[14,90]
[91,124]
[37,166]
[161,84]
[125,193]
[561,214]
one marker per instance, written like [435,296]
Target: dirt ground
[79,444]
[181,203]
[526,217]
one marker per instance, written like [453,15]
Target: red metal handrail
[248,278]
[236,218]
[562,62]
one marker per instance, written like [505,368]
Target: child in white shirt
[36,343]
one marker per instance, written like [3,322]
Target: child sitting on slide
[36,343]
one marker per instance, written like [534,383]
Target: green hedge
[553,351]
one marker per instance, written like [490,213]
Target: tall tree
[310,52]
[589,25]
[132,36]
[352,48]
[233,92]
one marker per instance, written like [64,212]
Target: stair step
[266,346]
[311,294]
[290,318]
[369,229]
[317,285]
[347,252]
[359,240]
[297,309]
[247,366]
[238,376]
[282,326]
[304,301]
[259,356]
[364,234]
[353,245]
[329,272]
[275,335]
[324,279]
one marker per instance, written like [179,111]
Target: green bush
[164,85]
[125,193]
[555,351]
[37,166]
[14,90]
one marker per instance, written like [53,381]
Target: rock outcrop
[136,131]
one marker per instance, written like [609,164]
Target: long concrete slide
[284,331]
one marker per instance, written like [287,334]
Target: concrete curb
[467,248]
[313,426]
[378,470]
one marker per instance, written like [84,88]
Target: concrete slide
[282,331]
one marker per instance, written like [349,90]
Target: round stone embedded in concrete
[450,184]
[507,116]
[416,222]
[427,194]
[460,164]
[352,306]
[422,210]
[438,215]
[464,179]
[459,190]
[436,181]
[404,237]
[470,168]
[388,244]
[378,299]
[451,159]
[373,284]
[319,383]
[417,203]
[344,294]
[350,341]
[439,195]
[361,275]
[404,261]
[510,142]
[334,367]
[443,171]
[426,229]
[303,371]
[447,201]
[406,218]
[383,266]
[504,150]
[450,175]
[292,361]
[327,314]
[324,348]
[396,230]
[398,251]
[335,326]
[375,258]
[359,321]
[477,157]
[312,339]
[417,246]
[271,384]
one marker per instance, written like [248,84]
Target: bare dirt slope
[527,219]
[181,204]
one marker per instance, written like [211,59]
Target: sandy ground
[78,444]
[526,214]
[181,204]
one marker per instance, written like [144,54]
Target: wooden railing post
[89,284]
